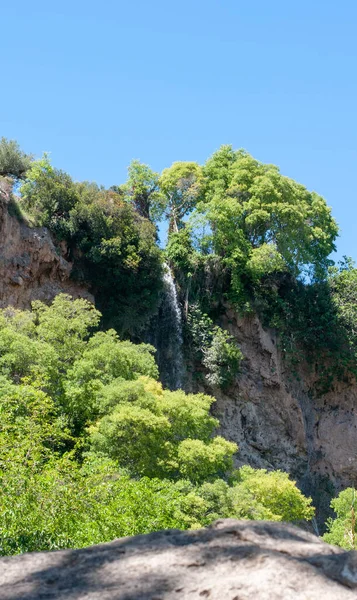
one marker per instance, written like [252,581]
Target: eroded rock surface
[279,423]
[31,267]
[232,560]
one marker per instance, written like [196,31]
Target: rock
[31,266]
[233,560]
[279,423]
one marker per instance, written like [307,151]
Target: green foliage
[265,260]
[276,492]
[65,506]
[91,446]
[214,347]
[81,414]
[142,190]
[315,320]
[53,348]
[13,161]
[343,286]
[113,248]
[49,194]
[342,530]
[180,252]
[251,206]
[154,432]
[116,250]
[31,429]
[200,462]
[65,325]
[181,185]
[254,494]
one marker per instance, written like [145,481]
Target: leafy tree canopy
[142,190]
[256,214]
[92,447]
[342,530]
[13,161]
[48,195]
[181,185]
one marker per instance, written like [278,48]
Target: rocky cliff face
[232,560]
[271,414]
[278,423]
[31,266]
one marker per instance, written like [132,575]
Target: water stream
[167,337]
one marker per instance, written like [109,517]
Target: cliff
[275,417]
[31,266]
[279,422]
[233,560]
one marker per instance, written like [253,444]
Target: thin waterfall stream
[167,335]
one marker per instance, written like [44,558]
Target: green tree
[158,433]
[181,186]
[31,429]
[13,161]
[214,347]
[343,288]
[66,325]
[65,506]
[48,195]
[253,494]
[342,530]
[276,492]
[142,190]
[115,251]
[199,461]
[262,221]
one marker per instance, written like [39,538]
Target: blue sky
[100,83]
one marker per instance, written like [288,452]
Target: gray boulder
[233,560]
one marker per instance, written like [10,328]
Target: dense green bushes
[92,447]
[342,530]
[113,246]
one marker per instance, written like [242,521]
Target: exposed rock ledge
[233,560]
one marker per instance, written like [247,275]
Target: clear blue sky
[99,83]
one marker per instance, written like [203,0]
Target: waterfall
[167,335]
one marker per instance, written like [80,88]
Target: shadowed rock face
[233,560]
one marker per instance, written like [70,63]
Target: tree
[342,530]
[157,433]
[115,250]
[343,289]
[262,221]
[215,348]
[99,378]
[142,190]
[49,194]
[92,447]
[181,185]
[13,161]
[276,492]
[66,325]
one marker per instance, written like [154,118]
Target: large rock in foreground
[233,560]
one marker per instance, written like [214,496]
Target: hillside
[252,327]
